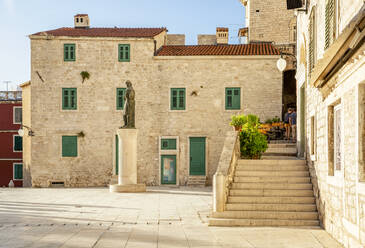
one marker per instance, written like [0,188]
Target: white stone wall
[341,197]
[152,77]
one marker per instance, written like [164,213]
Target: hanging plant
[84,75]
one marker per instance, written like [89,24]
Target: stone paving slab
[163,217]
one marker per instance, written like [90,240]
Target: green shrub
[253,143]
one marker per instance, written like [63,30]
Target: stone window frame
[361,132]
[16,179]
[14,116]
[331,139]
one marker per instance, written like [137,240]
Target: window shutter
[311,42]
[177,96]
[233,98]
[120,98]
[18,143]
[124,52]
[18,171]
[18,115]
[69,146]
[69,98]
[330,19]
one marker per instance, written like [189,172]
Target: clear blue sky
[19,18]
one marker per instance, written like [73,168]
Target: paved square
[162,217]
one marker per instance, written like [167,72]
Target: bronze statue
[129,106]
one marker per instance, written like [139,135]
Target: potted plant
[237,121]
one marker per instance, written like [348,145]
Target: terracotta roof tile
[104,32]
[211,50]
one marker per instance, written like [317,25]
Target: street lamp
[281,63]
[21,131]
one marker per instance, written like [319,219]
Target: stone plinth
[127,167]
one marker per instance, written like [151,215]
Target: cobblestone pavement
[162,217]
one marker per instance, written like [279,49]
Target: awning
[351,39]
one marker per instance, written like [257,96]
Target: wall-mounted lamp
[281,63]
[21,131]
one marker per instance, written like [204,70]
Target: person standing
[293,124]
[287,123]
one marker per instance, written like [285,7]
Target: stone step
[272,179]
[278,157]
[270,192]
[271,207]
[290,161]
[272,199]
[261,222]
[281,215]
[283,186]
[267,167]
[272,173]
[199,181]
[282,150]
[283,145]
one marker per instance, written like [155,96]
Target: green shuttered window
[120,97]
[233,98]
[69,98]
[18,143]
[18,171]
[69,52]
[168,144]
[69,146]
[177,99]
[124,52]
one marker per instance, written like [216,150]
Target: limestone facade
[96,119]
[331,117]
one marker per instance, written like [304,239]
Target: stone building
[185,96]
[271,21]
[11,163]
[331,96]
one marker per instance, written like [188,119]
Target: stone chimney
[222,35]
[81,21]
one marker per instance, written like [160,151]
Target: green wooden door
[168,169]
[197,156]
[116,155]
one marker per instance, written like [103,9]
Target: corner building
[331,90]
[185,96]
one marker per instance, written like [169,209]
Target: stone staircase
[274,191]
[197,181]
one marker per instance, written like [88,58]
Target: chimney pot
[222,35]
[81,21]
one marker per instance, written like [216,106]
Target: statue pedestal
[127,167]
